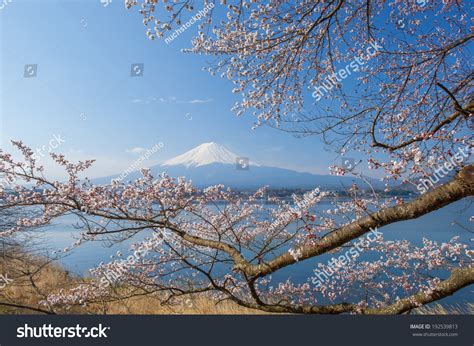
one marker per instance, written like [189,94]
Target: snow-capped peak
[202,155]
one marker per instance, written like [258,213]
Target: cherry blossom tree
[406,106]
[225,246]
[412,101]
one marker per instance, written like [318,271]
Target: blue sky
[84,93]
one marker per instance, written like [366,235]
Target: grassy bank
[34,278]
[31,279]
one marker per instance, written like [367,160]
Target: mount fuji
[211,163]
[204,154]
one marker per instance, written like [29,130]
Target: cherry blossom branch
[460,111]
[460,187]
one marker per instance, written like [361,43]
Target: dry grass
[189,306]
[33,279]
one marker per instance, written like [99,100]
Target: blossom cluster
[200,237]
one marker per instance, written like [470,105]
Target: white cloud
[136,150]
[200,101]
[171,99]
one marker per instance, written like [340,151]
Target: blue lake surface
[440,225]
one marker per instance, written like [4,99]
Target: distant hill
[211,163]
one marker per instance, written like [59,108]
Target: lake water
[440,225]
